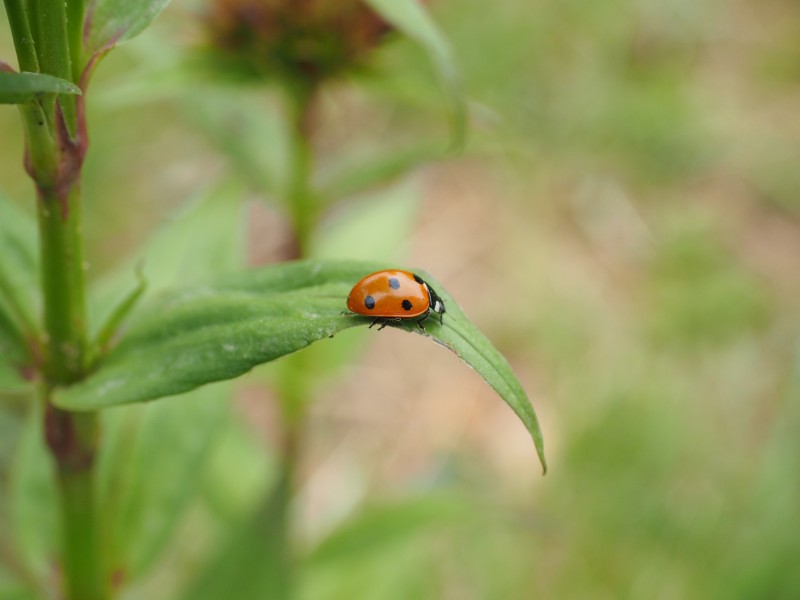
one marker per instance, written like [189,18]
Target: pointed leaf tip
[19,88]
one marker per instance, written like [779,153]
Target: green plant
[176,342]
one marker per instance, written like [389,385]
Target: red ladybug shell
[392,294]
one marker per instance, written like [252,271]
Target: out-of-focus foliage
[626,227]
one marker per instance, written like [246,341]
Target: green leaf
[409,17]
[219,331]
[19,88]
[109,22]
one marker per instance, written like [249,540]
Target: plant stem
[72,439]
[75,14]
[48,24]
[21,32]
[300,196]
[63,284]
[55,138]
[55,146]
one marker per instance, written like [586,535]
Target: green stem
[81,536]
[300,197]
[41,157]
[55,145]
[48,25]
[72,439]
[75,14]
[21,32]
[61,251]
[47,42]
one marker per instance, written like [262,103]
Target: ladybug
[393,295]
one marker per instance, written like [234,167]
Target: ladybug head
[437,305]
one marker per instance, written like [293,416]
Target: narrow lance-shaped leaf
[220,331]
[411,18]
[19,88]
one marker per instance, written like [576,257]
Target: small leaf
[409,17]
[19,88]
[216,332]
[109,22]
[117,316]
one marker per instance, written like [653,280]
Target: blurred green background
[624,224]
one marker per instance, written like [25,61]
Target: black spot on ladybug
[393,283]
[406,305]
[369,302]
[418,279]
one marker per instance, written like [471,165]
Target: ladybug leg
[421,321]
[375,321]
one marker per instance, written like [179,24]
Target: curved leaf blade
[220,331]
[411,18]
[460,336]
[19,88]
[109,22]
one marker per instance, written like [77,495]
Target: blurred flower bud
[297,41]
